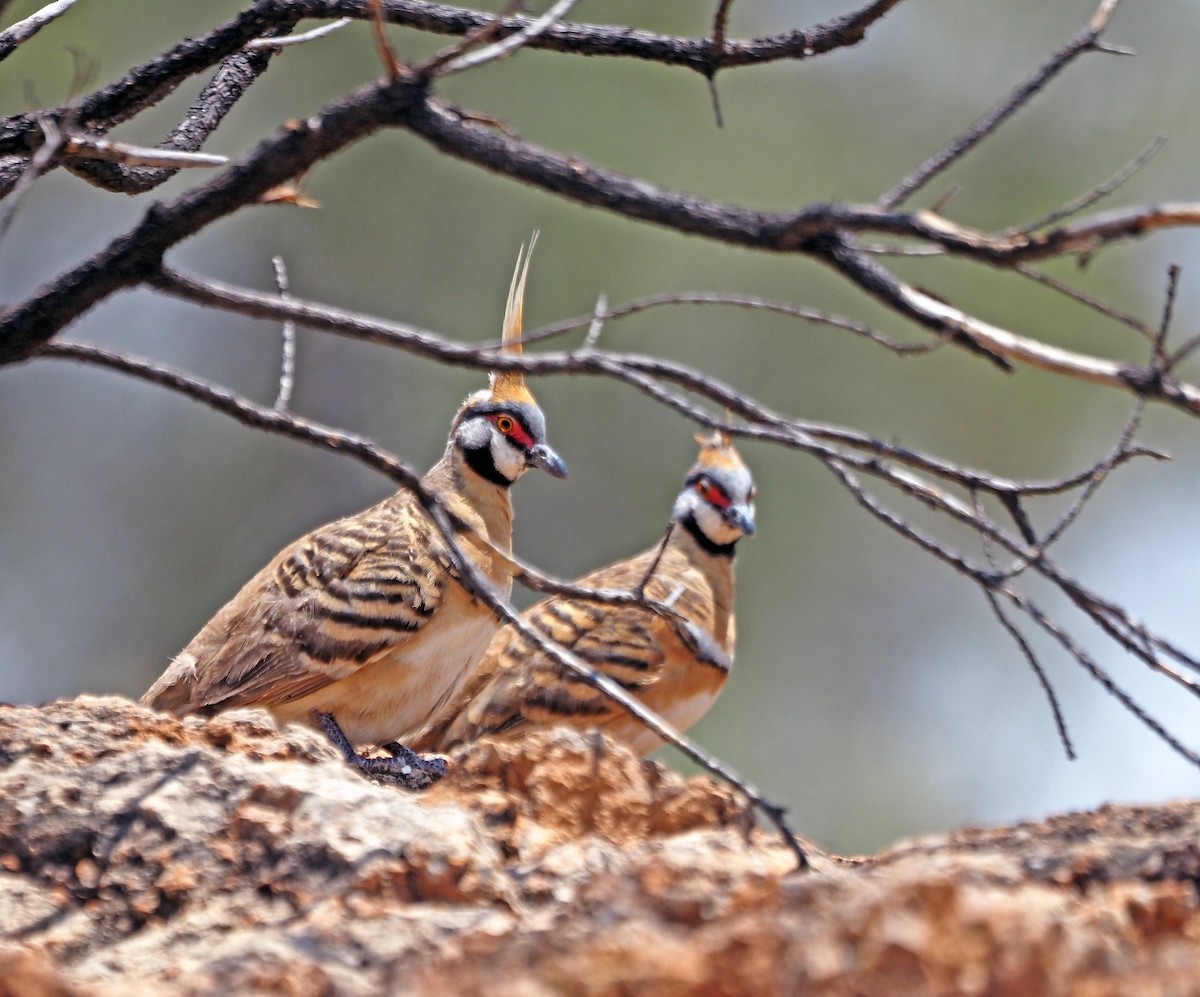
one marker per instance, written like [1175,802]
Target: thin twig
[813,315]
[86,147]
[393,66]
[287,364]
[52,143]
[429,69]
[1100,675]
[19,33]
[985,126]
[720,22]
[988,581]
[640,589]
[505,47]
[1087,300]
[1181,354]
[300,39]
[597,324]
[930,311]
[1018,638]
[1158,355]
[1099,473]
[1101,190]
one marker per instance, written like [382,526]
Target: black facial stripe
[721,550]
[482,463]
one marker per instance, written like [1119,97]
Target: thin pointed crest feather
[718,450]
[509,385]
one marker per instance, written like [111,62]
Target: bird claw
[435,766]
[399,771]
[405,768]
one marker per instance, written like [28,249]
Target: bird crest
[508,386]
[717,451]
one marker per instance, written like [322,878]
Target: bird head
[500,430]
[717,501]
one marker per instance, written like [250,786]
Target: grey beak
[543,456]
[742,518]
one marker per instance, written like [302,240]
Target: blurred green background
[874,693]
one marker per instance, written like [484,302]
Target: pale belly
[680,714]
[393,697]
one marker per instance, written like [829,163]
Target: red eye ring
[712,493]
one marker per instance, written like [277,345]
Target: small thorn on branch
[716,99]
[716,53]
[393,66]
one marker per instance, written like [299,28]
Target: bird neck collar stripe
[481,462]
[719,550]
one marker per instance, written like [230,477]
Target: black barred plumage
[362,627]
[675,662]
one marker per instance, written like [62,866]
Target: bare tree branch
[235,75]
[922,307]
[146,84]
[634,369]
[609,40]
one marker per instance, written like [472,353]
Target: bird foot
[405,768]
[434,766]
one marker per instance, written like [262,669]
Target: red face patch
[512,428]
[712,494]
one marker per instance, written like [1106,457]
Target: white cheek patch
[509,460]
[712,524]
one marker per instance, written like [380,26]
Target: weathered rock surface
[139,854]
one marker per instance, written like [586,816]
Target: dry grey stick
[16,34]
[287,364]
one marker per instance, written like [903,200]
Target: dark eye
[505,424]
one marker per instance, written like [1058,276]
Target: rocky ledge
[140,854]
